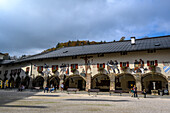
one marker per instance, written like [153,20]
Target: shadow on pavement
[22,106]
[97,100]
[48,95]
[12,96]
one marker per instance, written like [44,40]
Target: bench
[36,88]
[139,92]
[93,90]
[116,91]
[72,90]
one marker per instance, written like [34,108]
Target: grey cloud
[34,25]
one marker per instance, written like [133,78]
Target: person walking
[46,89]
[62,87]
[135,91]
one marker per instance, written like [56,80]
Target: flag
[166,69]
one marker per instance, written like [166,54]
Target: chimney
[133,40]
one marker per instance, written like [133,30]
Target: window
[6,72]
[74,57]
[152,51]
[152,63]
[27,69]
[100,65]
[123,53]
[55,58]
[40,69]
[124,64]
[54,68]
[100,55]
[74,66]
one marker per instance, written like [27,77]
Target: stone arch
[26,81]
[39,81]
[154,81]
[75,81]
[11,82]
[18,81]
[101,81]
[54,81]
[124,81]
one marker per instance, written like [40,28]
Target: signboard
[6,82]
[1,82]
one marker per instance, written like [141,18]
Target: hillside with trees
[74,43]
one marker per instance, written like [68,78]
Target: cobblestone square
[61,102]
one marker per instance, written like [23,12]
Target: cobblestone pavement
[38,102]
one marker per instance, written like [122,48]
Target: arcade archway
[26,81]
[124,82]
[154,82]
[39,81]
[101,81]
[75,81]
[54,81]
[18,81]
[11,82]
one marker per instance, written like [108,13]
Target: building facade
[111,66]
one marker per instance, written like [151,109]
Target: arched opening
[154,82]
[75,81]
[101,81]
[26,81]
[11,82]
[18,81]
[54,81]
[39,81]
[124,82]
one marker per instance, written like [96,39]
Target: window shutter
[156,63]
[41,68]
[76,66]
[52,67]
[71,66]
[27,69]
[38,68]
[127,65]
[148,64]
[103,65]
[97,65]
[120,64]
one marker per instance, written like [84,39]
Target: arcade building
[111,66]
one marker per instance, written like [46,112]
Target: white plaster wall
[160,56]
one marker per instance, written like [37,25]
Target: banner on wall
[166,69]
[166,66]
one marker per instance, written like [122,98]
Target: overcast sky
[31,26]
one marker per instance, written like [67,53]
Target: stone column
[112,81]
[169,84]
[30,83]
[61,81]
[138,82]
[45,81]
[88,81]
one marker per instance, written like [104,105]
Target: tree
[122,39]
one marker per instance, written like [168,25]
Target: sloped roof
[162,42]
[6,61]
